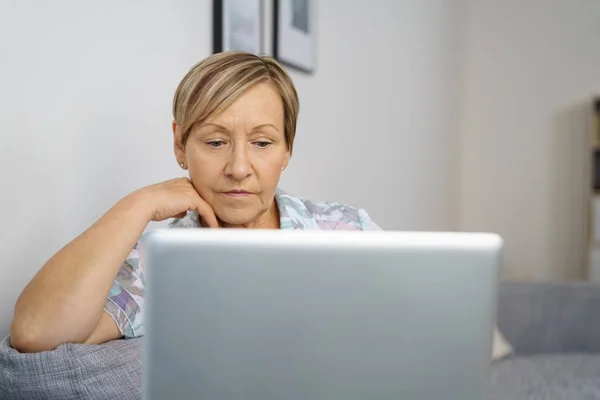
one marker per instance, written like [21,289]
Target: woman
[234,126]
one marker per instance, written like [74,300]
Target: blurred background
[447,115]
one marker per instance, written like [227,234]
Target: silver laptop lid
[265,314]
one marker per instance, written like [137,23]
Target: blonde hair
[216,82]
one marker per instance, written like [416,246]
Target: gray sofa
[553,328]
[555,332]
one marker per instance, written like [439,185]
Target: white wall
[378,121]
[531,70]
[85,99]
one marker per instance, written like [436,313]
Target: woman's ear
[177,147]
[286,160]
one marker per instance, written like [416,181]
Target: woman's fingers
[206,212]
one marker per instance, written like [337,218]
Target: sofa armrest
[112,370]
[550,317]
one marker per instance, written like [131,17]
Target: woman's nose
[238,166]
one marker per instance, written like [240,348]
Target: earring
[282,168]
[181,165]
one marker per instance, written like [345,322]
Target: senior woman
[234,125]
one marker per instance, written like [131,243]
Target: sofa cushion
[550,318]
[72,371]
[537,377]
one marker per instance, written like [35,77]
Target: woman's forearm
[65,300]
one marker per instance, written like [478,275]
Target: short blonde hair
[216,82]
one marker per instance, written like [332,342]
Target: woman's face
[235,158]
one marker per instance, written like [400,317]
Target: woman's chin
[236,219]
[243,218]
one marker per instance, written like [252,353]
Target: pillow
[501,348]
[112,370]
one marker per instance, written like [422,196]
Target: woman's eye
[262,144]
[215,143]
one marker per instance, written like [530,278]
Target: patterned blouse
[125,303]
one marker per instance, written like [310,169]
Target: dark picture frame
[238,25]
[294,34]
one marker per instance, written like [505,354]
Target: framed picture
[238,25]
[294,33]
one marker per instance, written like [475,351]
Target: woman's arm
[64,302]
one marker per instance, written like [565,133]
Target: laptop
[272,314]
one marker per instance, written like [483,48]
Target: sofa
[553,329]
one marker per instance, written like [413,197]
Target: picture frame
[294,34]
[238,25]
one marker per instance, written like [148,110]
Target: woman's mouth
[238,193]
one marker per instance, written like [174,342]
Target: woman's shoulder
[302,213]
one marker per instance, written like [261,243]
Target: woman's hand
[174,198]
